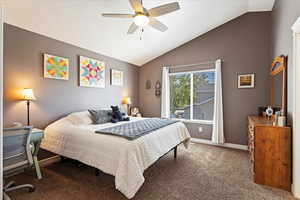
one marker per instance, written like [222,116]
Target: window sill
[196,121]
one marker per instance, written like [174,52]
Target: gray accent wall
[23,67]
[284,15]
[244,46]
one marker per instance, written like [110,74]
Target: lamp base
[28,114]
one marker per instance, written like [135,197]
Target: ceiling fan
[144,17]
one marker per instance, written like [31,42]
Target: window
[192,95]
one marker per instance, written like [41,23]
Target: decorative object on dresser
[28,96]
[262,110]
[116,77]
[56,67]
[91,72]
[246,81]
[270,152]
[157,88]
[269,112]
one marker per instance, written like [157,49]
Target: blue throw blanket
[134,130]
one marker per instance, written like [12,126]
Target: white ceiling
[79,22]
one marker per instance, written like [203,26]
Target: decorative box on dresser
[270,152]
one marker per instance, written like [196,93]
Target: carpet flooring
[201,172]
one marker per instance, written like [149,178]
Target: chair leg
[10,184]
[5,196]
[29,186]
[175,152]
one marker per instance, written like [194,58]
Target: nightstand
[36,139]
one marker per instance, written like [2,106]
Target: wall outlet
[200,129]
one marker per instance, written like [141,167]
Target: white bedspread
[124,159]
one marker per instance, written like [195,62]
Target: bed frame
[97,171]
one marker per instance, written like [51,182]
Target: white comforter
[124,159]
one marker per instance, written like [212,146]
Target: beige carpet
[201,172]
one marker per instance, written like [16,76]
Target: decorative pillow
[117,115]
[100,116]
[78,118]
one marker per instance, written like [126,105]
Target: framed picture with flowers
[56,67]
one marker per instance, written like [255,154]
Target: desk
[35,140]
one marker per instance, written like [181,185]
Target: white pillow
[78,118]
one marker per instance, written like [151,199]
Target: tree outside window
[199,84]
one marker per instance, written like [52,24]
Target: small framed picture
[116,77]
[246,81]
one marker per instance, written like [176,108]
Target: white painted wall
[296,131]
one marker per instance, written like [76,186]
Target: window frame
[191,120]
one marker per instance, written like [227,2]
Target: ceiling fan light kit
[141,20]
[144,17]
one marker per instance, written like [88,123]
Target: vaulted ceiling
[79,22]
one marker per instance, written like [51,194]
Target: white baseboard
[49,161]
[228,145]
[295,194]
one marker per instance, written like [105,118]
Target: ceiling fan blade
[137,6]
[118,15]
[132,28]
[157,25]
[164,9]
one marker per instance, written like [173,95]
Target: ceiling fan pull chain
[142,33]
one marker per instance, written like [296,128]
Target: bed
[74,137]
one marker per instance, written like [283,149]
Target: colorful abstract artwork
[116,77]
[56,67]
[92,73]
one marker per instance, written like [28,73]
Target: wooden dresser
[270,153]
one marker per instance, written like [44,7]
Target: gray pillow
[100,116]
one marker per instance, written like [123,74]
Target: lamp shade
[126,100]
[28,94]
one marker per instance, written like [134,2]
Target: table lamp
[126,101]
[28,96]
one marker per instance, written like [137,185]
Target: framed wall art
[246,81]
[116,77]
[91,72]
[56,67]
